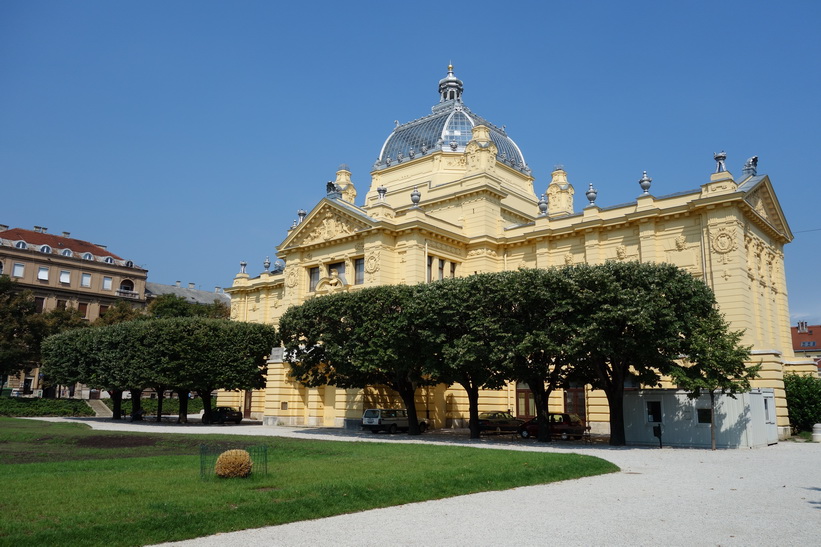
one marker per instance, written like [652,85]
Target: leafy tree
[357,339]
[715,363]
[803,400]
[19,337]
[542,326]
[194,353]
[462,337]
[120,312]
[634,321]
[170,305]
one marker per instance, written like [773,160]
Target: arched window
[67,252]
[108,260]
[126,285]
[21,245]
[45,249]
[129,264]
[88,256]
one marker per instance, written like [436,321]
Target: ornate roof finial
[644,182]
[450,87]
[720,158]
[591,194]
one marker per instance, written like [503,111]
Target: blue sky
[186,134]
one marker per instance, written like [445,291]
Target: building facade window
[444,268]
[82,307]
[61,304]
[103,309]
[39,304]
[441,268]
[65,277]
[21,245]
[108,260]
[653,411]
[359,271]
[1,268]
[313,278]
[67,252]
[705,415]
[45,249]
[807,344]
[42,273]
[88,256]
[18,270]
[85,280]
[107,283]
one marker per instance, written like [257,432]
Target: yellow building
[451,195]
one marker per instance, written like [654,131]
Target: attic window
[45,249]
[88,256]
[67,252]
[21,245]
[108,260]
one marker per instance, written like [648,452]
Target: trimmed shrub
[803,400]
[233,463]
[34,406]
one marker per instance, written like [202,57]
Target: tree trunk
[473,408]
[205,395]
[182,416]
[117,397]
[615,400]
[136,405]
[408,395]
[713,419]
[160,392]
[540,398]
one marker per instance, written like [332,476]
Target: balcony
[128,294]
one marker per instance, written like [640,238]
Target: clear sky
[184,135]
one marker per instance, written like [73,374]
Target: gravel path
[661,497]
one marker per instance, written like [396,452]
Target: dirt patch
[116,441]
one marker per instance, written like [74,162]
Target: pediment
[764,204]
[327,222]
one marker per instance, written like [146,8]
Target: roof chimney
[218,290]
[66,234]
[192,285]
[177,283]
[38,228]
[3,227]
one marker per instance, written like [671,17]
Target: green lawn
[69,485]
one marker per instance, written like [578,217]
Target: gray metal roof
[449,128]
[195,296]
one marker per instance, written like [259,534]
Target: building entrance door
[246,411]
[525,405]
[574,402]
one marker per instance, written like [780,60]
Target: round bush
[233,463]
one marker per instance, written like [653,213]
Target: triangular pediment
[763,203]
[328,221]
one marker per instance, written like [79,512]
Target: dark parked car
[562,425]
[499,422]
[223,414]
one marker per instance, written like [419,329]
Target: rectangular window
[313,278]
[441,269]
[340,271]
[42,273]
[103,309]
[654,411]
[107,283]
[85,280]
[705,415]
[453,269]
[359,271]
[61,304]
[430,267]
[18,270]
[65,277]
[39,304]
[82,307]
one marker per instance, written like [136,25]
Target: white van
[388,419]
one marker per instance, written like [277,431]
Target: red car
[562,425]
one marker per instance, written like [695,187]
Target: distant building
[190,293]
[64,272]
[806,342]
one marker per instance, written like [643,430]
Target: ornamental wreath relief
[724,241]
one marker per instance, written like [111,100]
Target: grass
[69,485]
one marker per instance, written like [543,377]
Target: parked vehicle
[223,414]
[499,422]
[562,425]
[388,419]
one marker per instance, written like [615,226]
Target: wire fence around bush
[210,454]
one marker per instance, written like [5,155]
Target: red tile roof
[811,339]
[57,243]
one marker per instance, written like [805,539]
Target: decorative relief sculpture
[681,243]
[290,277]
[621,252]
[723,241]
[372,262]
[329,227]
[568,259]
[482,252]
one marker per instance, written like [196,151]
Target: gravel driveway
[764,496]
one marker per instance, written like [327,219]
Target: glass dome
[448,128]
